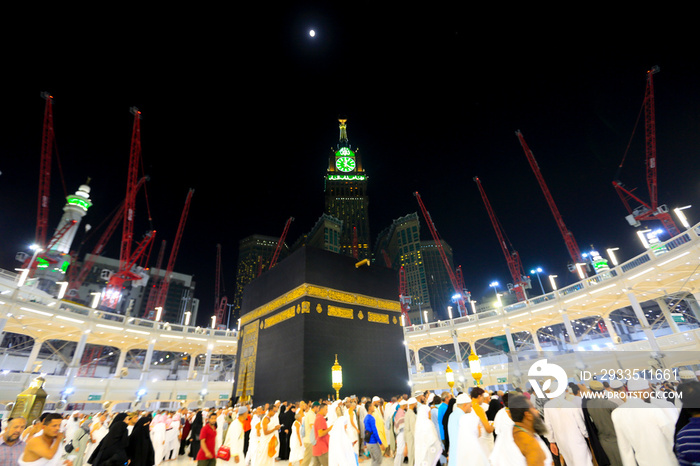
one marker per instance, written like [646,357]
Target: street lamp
[495,287]
[337,377]
[475,366]
[449,311]
[552,282]
[537,272]
[681,216]
[450,377]
[611,255]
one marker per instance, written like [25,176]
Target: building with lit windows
[399,245]
[346,196]
[254,255]
[439,284]
[324,235]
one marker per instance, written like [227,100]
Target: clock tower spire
[343,133]
[346,196]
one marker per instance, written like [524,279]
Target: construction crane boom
[651,210]
[219,301]
[438,244]
[165,282]
[155,281]
[512,257]
[569,239]
[280,243]
[47,143]
[130,199]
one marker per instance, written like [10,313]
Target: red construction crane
[130,199]
[438,244]
[651,210]
[153,292]
[571,245]
[47,143]
[280,243]
[404,298]
[512,257]
[76,276]
[165,282]
[112,293]
[219,301]
[127,257]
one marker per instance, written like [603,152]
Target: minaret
[53,263]
[76,207]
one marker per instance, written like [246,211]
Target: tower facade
[439,283]
[346,196]
[254,255]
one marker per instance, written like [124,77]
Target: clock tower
[346,196]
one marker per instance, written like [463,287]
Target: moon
[312,33]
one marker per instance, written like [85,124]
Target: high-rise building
[439,284]
[324,235]
[254,255]
[399,245]
[346,196]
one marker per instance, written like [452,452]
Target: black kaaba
[311,306]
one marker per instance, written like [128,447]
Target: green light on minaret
[78,201]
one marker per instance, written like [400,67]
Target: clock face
[345,164]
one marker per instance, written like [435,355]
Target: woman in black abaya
[197,425]
[111,451]
[140,448]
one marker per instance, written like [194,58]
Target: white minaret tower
[76,207]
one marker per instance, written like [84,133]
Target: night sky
[241,104]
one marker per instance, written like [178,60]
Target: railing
[32,296]
[690,236]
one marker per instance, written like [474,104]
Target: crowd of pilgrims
[621,425]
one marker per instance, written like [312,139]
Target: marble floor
[186,461]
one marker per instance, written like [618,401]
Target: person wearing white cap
[567,434]
[463,431]
[409,430]
[379,418]
[644,431]
[615,390]
[235,436]
[463,404]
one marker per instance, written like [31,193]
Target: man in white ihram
[234,436]
[644,430]
[567,435]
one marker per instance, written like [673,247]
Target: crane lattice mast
[568,236]
[165,282]
[515,265]
[443,256]
[219,301]
[652,210]
[47,143]
[280,243]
